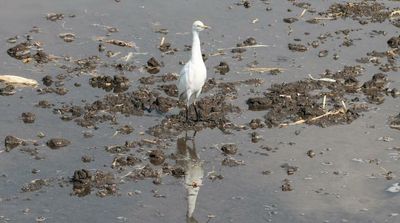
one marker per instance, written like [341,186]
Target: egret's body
[194,74]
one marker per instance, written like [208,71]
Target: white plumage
[194,74]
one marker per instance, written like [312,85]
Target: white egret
[194,74]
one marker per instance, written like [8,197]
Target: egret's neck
[196,51]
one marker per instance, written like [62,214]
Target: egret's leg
[195,110]
[187,113]
[194,104]
[188,96]
[194,135]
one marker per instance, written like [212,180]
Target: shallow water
[354,193]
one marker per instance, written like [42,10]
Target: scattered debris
[120,43]
[395,188]
[67,37]
[18,81]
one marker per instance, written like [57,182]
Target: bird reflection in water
[188,159]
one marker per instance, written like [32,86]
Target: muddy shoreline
[298,120]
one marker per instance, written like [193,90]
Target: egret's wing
[183,81]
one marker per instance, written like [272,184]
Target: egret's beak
[206,27]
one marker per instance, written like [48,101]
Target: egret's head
[199,26]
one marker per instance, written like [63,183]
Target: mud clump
[153,66]
[364,11]
[311,153]
[211,111]
[69,112]
[67,37]
[241,46]
[57,143]
[166,47]
[54,16]
[128,103]
[155,79]
[157,157]
[222,68]
[122,161]
[374,89]
[47,80]
[286,185]
[290,170]
[256,123]
[34,185]
[11,142]
[297,47]
[28,117]
[117,84]
[395,122]
[143,173]
[229,149]
[83,181]
[255,137]
[20,51]
[323,53]
[57,90]
[23,52]
[118,148]
[126,129]
[231,162]
[251,41]
[7,90]
[105,183]
[302,101]
[394,42]
[84,65]
[86,159]
[170,90]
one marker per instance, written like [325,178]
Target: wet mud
[105,129]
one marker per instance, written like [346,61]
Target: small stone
[311,153]
[290,20]
[323,53]
[335,56]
